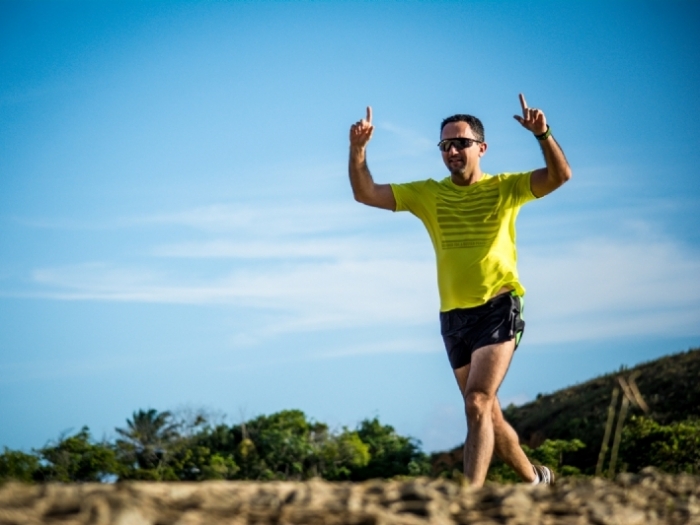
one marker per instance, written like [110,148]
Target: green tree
[673,448]
[18,466]
[233,442]
[77,458]
[190,456]
[341,454]
[280,443]
[286,445]
[146,444]
[390,454]
[193,462]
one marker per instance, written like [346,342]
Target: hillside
[669,385]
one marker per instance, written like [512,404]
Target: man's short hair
[474,123]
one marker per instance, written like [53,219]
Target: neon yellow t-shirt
[473,232]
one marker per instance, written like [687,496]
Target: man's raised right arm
[363,187]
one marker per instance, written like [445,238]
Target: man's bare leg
[488,430]
[507,446]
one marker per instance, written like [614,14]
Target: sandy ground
[643,499]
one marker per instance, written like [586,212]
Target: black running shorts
[467,329]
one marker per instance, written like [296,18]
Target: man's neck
[466,179]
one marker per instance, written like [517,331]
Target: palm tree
[147,437]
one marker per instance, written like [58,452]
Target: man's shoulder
[507,181]
[516,185]
[418,185]
[501,177]
[421,182]
[414,195]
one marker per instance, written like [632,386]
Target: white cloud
[587,290]
[306,296]
[599,288]
[313,268]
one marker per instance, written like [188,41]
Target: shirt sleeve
[519,189]
[408,196]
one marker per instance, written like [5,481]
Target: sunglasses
[459,144]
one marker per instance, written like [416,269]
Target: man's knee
[478,405]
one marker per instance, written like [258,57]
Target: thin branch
[635,391]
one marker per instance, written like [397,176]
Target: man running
[470,217]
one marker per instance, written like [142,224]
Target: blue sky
[177,227]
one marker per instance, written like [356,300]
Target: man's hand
[363,187]
[557,170]
[361,131]
[533,119]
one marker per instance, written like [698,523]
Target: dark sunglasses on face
[459,144]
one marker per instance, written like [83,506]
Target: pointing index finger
[523,103]
[369,114]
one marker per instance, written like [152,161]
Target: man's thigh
[487,369]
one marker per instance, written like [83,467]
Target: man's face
[461,162]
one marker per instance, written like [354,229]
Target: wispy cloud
[314,269]
[599,288]
[593,289]
[308,296]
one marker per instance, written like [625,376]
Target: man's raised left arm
[557,170]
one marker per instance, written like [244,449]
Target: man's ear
[482,149]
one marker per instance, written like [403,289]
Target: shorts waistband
[493,299]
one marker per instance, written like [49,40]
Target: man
[470,217]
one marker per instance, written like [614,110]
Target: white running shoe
[545,476]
